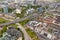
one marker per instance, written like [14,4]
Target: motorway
[26,36]
[18,20]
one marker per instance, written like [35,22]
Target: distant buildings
[43,29]
[57,21]
[40,10]
[18,11]
[5,9]
[30,11]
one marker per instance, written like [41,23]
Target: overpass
[18,20]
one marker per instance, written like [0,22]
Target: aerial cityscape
[29,19]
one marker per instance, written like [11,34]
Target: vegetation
[1,9]
[13,25]
[3,20]
[22,12]
[50,30]
[47,14]
[47,6]
[22,34]
[31,6]
[24,22]
[32,34]
[3,30]
[11,9]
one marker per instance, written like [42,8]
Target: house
[30,11]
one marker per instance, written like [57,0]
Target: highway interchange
[26,36]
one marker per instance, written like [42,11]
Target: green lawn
[32,34]
[3,20]
[24,22]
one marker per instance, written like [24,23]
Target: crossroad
[18,20]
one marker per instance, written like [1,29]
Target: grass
[3,20]
[51,15]
[32,34]
[24,22]
[50,30]
[5,28]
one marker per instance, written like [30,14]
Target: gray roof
[14,32]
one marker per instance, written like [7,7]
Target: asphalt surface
[18,20]
[26,36]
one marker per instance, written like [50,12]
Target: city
[29,19]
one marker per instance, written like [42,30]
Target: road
[26,36]
[18,20]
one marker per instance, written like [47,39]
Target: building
[57,21]
[18,11]
[30,2]
[40,10]
[30,11]
[5,9]
[31,24]
[12,34]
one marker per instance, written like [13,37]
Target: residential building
[31,24]
[30,11]
[12,34]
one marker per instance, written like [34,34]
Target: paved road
[26,36]
[18,20]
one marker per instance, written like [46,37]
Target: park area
[32,34]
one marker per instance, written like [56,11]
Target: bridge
[18,20]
